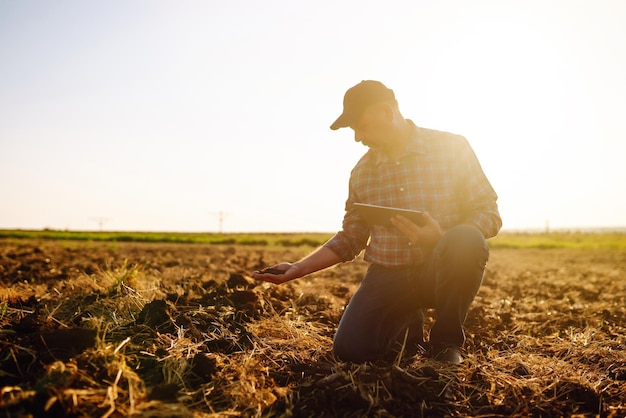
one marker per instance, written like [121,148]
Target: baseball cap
[358,98]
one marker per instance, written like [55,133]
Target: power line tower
[220,217]
[101,221]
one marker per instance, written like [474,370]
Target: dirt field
[179,330]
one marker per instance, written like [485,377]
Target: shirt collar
[416,145]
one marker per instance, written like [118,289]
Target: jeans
[390,300]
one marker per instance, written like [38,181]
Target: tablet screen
[381,215]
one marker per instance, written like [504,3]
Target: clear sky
[160,115]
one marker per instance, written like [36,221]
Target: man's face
[372,128]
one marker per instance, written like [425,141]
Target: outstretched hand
[279,273]
[426,235]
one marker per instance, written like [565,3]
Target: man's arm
[478,196]
[320,259]
[486,219]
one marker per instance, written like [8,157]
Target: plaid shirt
[438,173]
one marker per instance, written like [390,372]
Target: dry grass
[177,331]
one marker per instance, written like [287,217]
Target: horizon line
[580,229]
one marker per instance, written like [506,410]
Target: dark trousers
[390,300]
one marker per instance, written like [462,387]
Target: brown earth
[180,330]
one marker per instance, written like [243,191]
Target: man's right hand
[317,260]
[279,273]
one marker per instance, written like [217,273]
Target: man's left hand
[425,236]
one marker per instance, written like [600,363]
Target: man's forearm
[318,260]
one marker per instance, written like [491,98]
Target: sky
[213,116]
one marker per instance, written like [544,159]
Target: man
[439,264]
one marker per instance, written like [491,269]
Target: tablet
[381,215]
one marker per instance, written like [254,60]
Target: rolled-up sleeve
[487,220]
[352,239]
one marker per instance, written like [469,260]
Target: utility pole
[101,221]
[220,217]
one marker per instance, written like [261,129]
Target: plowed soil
[181,330]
